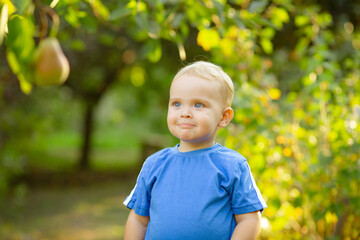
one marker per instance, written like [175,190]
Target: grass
[61,158]
[72,213]
[55,202]
[61,151]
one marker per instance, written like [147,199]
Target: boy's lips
[186,125]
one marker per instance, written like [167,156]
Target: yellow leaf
[321,226]
[227,46]
[279,223]
[230,141]
[137,76]
[25,86]
[264,100]
[267,45]
[295,193]
[330,217]
[279,16]
[287,152]
[274,93]
[300,132]
[355,101]
[11,7]
[233,32]
[281,139]
[301,20]
[99,8]
[271,210]
[208,38]
[298,213]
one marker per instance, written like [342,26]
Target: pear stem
[45,11]
[55,20]
[43,21]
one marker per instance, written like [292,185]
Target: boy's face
[196,108]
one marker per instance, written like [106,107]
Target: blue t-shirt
[194,195]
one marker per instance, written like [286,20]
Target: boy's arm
[136,226]
[247,226]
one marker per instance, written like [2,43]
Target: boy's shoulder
[158,156]
[154,162]
[231,155]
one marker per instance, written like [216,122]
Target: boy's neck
[187,147]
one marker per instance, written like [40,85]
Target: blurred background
[70,154]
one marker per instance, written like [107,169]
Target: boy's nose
[186,113]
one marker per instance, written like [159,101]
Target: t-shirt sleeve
[246,196]
[139,198]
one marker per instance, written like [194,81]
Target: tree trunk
[91,100]
[84,163]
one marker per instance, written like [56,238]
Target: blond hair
[210,71]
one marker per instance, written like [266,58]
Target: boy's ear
[228,114]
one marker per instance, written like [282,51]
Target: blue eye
[177,104]
[198,105]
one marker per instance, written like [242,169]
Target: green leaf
[107,39]
[301,20]
[302,46]
[13,62]
[100,9]
[20,38]
[178,19]
[154,29]
[73,16]
[257,6]
[169,1]
[89,23]
[141,21]
[20,49]
[119,13]
[279,17]
[21,5]
[324,20]
[268,32]
[22,74]
[266,45]
[184,28]
[219,9]
[78,45]
[326,76]
[152,50]
[137,76]
[25,84]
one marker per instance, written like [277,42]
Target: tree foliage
[295,65]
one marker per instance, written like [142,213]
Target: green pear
[51,64]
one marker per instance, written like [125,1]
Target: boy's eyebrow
[173,99]
[194,99]
[200,99]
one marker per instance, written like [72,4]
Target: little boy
[197,189]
